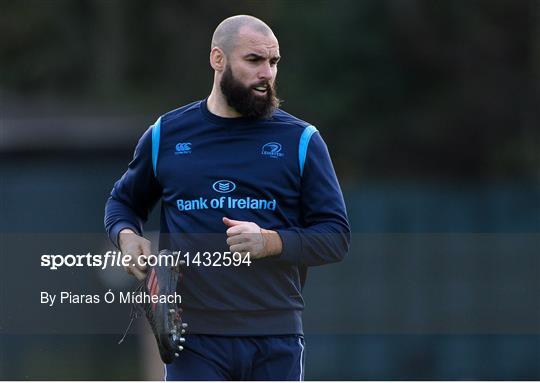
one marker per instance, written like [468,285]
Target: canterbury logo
[183,148]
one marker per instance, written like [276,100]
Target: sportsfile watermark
[117,259]
[412,283]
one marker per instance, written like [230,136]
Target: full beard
[244,101]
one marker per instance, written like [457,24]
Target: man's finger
[132,270]
[146,250]
[235,230]
[231,222]
[140,264]
[235,240]
[140,275]
[242,247]
[145,247]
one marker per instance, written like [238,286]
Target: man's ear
[217,59]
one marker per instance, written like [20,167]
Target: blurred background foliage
[431,110]
[399,87]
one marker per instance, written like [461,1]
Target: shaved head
[244,56]
[226,33]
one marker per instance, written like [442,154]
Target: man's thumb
[231,222]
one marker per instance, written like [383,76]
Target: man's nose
[265,71]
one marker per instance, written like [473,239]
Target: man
[235,173]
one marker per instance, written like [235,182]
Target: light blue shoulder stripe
[156,129]
[303,146]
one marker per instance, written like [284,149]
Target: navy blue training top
[275,172]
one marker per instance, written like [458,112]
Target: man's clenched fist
[136,247]
[248,237]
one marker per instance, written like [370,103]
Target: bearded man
[235,175]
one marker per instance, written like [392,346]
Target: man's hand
[137,248]
[248,237]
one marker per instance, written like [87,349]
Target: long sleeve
[325,233]
[135,194]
